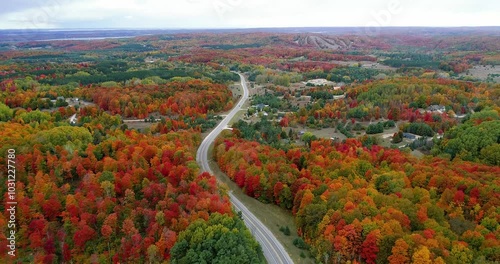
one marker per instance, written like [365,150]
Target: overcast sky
[37,14]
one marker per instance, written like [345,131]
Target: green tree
[491,154]
[397,137]
[308,137]
[34,116]
[221,239]
[5,112]
[72,138]
[421,129]
[468,141]
[375,128]
[357,112]
[460,254]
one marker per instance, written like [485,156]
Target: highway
[272,248]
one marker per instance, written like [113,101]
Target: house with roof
[260,107]
[409,136]
[437,108]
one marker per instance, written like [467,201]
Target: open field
[482,72]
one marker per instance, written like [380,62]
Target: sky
[168,14]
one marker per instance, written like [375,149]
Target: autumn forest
[378,149]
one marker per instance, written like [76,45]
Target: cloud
[244,13]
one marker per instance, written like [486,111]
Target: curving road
[273,250]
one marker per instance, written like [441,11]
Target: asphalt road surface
[273,250]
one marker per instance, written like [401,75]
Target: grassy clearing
[237,117]
[139,125]
[270,215]
[327,133]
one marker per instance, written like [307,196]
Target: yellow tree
[461,254]
[422,256]
[439,260]
[399,253]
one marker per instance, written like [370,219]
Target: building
[260,107]
[437,108]
[409,136]
[318,82]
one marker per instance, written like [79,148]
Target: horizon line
[245,28]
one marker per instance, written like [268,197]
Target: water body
[60,35]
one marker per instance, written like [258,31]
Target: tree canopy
[220,239]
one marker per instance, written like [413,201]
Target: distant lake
[89,38]
[61,35]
